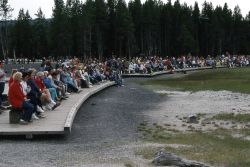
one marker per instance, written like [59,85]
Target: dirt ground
[204,104]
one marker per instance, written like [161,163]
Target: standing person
[2,84]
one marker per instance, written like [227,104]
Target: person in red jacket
[18,100]
[11,78]
[51,104]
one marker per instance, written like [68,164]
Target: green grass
[217,148]
[233,117]
[210,148]
[236,80]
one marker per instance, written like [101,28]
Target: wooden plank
[55,121]
[168,72]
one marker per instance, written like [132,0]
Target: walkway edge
[167,72]
[71,115]
[145,75]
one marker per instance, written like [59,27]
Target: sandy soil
[179,105]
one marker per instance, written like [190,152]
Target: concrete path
[58,121]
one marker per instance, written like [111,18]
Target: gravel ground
[104,133]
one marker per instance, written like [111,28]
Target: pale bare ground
[173,112]
[179,105]
[122,155]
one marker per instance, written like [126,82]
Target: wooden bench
[15,115]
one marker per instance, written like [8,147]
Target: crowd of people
[35,90]
[234,61]
[153,64]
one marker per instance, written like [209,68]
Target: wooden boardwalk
[137,75]
[58,121]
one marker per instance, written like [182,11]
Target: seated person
[26,90]
[11,78]
[47,83]
[81,80]
[18,100]
[56,83]
[45,96]
[67,79]
[131,69]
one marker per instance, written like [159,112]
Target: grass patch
[212,149]
[236,80]
[148,152]
[233,117]
[128,164]
[217,148]
[154,133]
[199,115]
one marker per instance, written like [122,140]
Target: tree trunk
[129,51]
[84,45]
[90,42]
[2,44]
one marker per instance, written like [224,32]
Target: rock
[216,125]
[169,159]
[190,126]
[192,119]
[234,126]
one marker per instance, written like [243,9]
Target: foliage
[96,28]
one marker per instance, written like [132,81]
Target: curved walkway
[61,119]
[167,72]
[58,121]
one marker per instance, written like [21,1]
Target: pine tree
[135,9]
[58,31]
[41,48]
[124,28]
[23,35]
[5,14]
